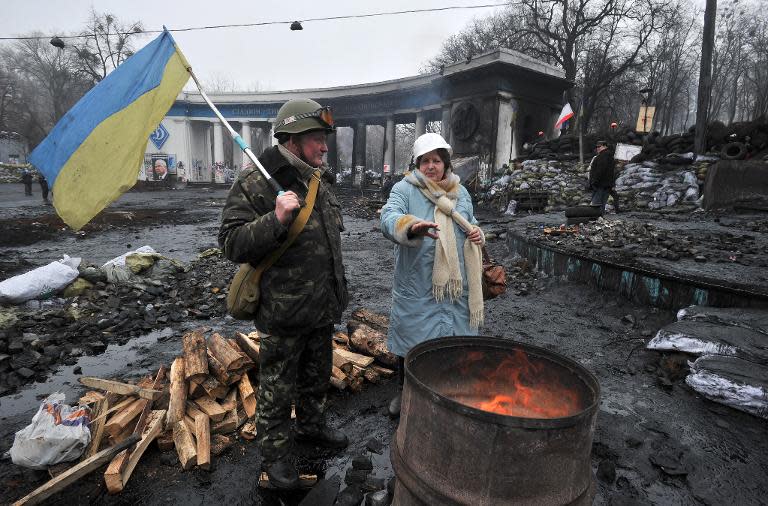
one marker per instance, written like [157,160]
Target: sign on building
[159,136]
[645,118]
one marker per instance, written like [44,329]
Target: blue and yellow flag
[95,152]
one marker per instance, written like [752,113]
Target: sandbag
[731,381]
[40,283]
[756,319]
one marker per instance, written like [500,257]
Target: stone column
[218,142]
[503,132]
[389,144]
[332,156]
[421,124]
[358,151]
[246,135]
[445,123]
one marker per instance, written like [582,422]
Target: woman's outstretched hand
[424,228]
[475,236]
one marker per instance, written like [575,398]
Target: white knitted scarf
[446,273]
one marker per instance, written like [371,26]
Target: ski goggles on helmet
[323,115]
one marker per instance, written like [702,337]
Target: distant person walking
[43,187]
[602,177]
[26,178]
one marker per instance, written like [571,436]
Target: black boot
[327,437]
[282,474]
[394,404]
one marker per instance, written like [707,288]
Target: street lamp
[57,42]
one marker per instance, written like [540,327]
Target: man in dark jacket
[602,178]
[302,295]
[26,178]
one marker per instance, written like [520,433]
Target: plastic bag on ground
[731,381]
[116,269]
[57,433]
[511,208]
[40,283]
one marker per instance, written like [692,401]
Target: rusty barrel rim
[505,344]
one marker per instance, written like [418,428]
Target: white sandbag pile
[733,346]
[646,185]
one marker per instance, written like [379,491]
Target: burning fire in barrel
[489,421]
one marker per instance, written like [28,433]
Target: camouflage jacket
[306,287]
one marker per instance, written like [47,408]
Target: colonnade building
[487,106]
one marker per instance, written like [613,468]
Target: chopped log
[120,421]
[352,357]
[305,480]
[211,408]
[120,469]
[73,474]
[247,395]
[249,346]
[113,440]
[337,383]
[248,431]
[97,427]
[230,401]
[203,438]
[142,423]
[119,387]
[341,338]
[219,444]
[195,356]
[178,392]
[229,358]
[228,424]
[165,440]
[355,384]
[190,423]
[195,390]
[219,372]
[192,410]
[338,373]
[371,375]
[357,371]
[214,388]
[377,321]
[185,445]
[382,371]
[371,342]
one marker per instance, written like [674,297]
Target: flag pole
[236,137]
[581,130]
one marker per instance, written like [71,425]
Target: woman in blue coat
[437,290]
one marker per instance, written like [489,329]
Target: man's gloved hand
[285,206]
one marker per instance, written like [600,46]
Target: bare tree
[105,44]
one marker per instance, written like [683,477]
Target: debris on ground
[731,381]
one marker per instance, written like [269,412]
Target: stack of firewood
[210,391]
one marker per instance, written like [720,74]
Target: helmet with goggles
[303,115]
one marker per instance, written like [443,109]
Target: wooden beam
[176,405]
[119,387]
[195,356]
[73,474]
[97,427]
[203,437]
[247,395]
[122,418]
[152,430]
[185,445]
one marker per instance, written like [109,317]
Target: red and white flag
[565,115]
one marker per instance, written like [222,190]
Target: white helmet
[429,142]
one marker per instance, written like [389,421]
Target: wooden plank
[203,437]
[230,359]
[190,423]
[119,438]
[112,477]
[152,430]
[211,408]
[247,395]
[354,358]
[119,387]
[249,346]
[195,356]
[185,445]
[91,397]
[73,474]
[97,427]
[193,410]
[142,423]
[176,405]
[122,418]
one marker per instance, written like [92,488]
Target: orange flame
[528,390]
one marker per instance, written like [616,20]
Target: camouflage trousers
[295,368]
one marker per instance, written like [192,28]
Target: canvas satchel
[243,295]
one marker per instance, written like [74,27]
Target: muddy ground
[656,441]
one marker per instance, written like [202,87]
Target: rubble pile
[652,185]
[564,181]
[631,239]
[39,335]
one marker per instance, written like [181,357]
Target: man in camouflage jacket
[302,295]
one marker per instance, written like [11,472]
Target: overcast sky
[324,54]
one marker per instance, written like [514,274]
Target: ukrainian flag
[95,152]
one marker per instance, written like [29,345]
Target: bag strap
[296,227]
